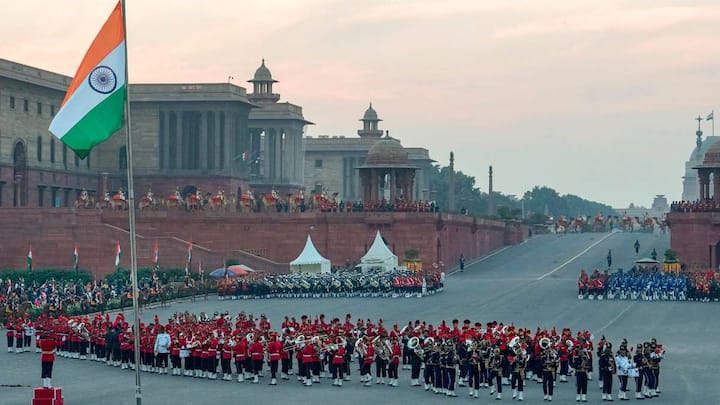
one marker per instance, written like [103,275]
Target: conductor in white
[162,348]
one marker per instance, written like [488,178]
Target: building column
[374,191]
[218,135]
[180,157]
[166,144]
[393,185]
[202,123]
[278,155]
[716,185]
[264,155]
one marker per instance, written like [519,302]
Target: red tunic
[240,350]
[274,349]
[256,351]
[339,357]
[47,345]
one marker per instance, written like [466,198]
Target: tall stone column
[166,144]
[202,161]
[279,155]
[265,154]
[374,185]
[218,135]
[180,156]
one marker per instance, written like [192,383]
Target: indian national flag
[75,257]
[118,255]
[93,106]
[30,266]
[156,257]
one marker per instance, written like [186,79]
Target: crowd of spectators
[695,206]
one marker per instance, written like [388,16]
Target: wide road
[532,285]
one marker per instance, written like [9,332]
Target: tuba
[514,342]
[545,343]
[413,342]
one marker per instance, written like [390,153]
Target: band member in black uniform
[462,352]
[496,367]
[429,374]
[473,361]
[485,352]
[581,364]
[606,365]
[657,353]
[449,364]
[550,365]
[435,360]
[415,354]
[517,377]
[640,364]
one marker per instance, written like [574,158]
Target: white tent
[379,256]
[310,260]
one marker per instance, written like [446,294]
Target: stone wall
[694,236]
[265,241]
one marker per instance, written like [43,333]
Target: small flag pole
[131,217]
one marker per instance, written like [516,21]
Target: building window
[65,155]
[12,102]
[161,139]
[41,195]
[52,110]
[39,108]
[77,161]
[87,161]
[52,150]
[122,158]
[26,105]
[39,148]
[172,142]
[318,163]
[318,188]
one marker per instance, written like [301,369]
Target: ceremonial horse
[83,200]
[175,200]
[217,202]
[193,202]
[247,202]
[148,201]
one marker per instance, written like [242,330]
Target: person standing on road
[462,262]
[162,349]
[47,346]
[609,258]
[637,247]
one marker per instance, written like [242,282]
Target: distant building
[331,163]
[191,136]
[658,209]
[691,189]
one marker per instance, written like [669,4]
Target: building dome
[387,152]
[262,74]
[370,114]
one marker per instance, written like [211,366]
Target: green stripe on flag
[97,125]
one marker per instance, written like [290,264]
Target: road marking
[612,321]
[576,256]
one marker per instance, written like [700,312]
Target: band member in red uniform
[308,355]
[394,363]
[240,350]
[274,349]
[226,355]
[10,334]
[257,354]
[338,362]
[47,346]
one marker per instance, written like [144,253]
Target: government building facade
[188,137]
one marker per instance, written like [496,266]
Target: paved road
[532,285]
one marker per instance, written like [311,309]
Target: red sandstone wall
[217,236]
[691,236]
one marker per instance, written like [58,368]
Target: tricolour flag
[189,253]
[30,266]
[93,106]
[118,255]
[156,257]
[710,116]
[75,257]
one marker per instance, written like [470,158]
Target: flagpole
[131,217]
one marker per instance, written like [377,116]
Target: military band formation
[494,359]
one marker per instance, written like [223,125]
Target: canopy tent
[236,270]
[647,261]
[379,256]
[310,260]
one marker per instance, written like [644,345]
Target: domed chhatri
[387,152]
[370,114]
[262,74]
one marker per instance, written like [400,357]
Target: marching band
[492,355]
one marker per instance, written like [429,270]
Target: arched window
[122,158]
[52,150]
[39,148]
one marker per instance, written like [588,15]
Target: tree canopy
[540,202]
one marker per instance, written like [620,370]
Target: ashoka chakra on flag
[102,79]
